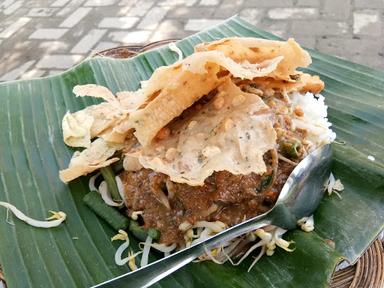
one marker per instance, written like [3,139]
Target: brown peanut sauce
[224,196]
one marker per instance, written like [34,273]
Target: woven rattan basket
[368,270]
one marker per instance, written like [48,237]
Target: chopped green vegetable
[266,182]
[109,177]
[113,217]
[118,166]
[154,233]
[290,148]
[141,233]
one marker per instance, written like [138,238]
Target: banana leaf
[80,253]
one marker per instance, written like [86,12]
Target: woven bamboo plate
[368,271]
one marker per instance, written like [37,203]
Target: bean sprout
[216,226]
[103,190]
[120,187]
[306,224]
[53,221]
[147,248]
[269,238]
[135,215]
[172,46]
[91,183]
[163,248]
[334,186]
[122,235]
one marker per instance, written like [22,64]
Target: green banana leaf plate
[79,253]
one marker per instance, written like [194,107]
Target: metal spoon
[300,196]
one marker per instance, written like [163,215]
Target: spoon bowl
[299,197]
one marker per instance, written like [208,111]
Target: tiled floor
[42,37]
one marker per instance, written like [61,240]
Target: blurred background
[44,37]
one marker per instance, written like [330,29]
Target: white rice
[315,118]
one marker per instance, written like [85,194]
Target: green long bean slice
[118,166]
[109,177]
[141,233]
[153,233]
[113,217]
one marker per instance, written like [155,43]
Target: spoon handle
[161,268]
